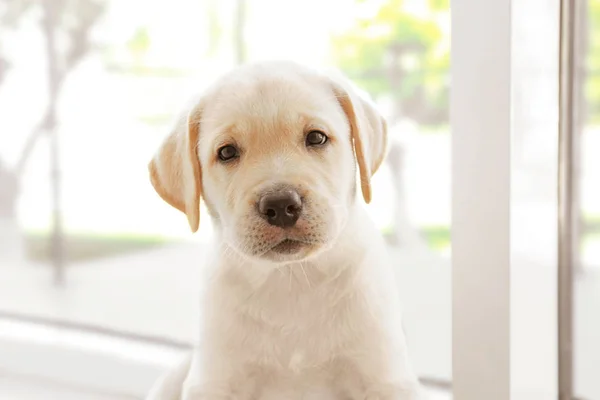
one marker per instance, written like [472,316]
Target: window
[586,198]
[99,277]
[89,88]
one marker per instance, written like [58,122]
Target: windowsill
[40,362]
[64,359]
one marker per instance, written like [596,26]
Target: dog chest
[296,332]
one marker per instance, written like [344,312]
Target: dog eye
[228,153]
[315,138]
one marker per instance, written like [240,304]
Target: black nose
[281,208]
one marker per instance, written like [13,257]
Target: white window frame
[505,341]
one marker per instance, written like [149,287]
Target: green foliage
[439,5]
[437,237]
[592,64]
[84,247]
[591,223]
[215,28]
[401,54]
[139,44]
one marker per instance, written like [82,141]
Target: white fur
[323,326]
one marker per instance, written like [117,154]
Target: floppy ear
[175,169]
[369,133]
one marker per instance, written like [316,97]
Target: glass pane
[587,201]
[124,70]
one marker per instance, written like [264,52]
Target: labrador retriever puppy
[301,302]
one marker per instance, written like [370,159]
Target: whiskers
[296,273]
[305,275]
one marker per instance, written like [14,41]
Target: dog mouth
[288,246]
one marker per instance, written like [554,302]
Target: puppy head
[272,149]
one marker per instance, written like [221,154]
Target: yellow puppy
[301,303]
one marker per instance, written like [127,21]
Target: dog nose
[281,208]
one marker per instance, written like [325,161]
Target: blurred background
[88,88]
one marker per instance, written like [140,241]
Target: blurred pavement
[155,293]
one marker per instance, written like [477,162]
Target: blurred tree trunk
[8,191]
[11,240]
[49,24]
[75,20]
[582,38]
[405,235]
[239,42]
[214,28]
